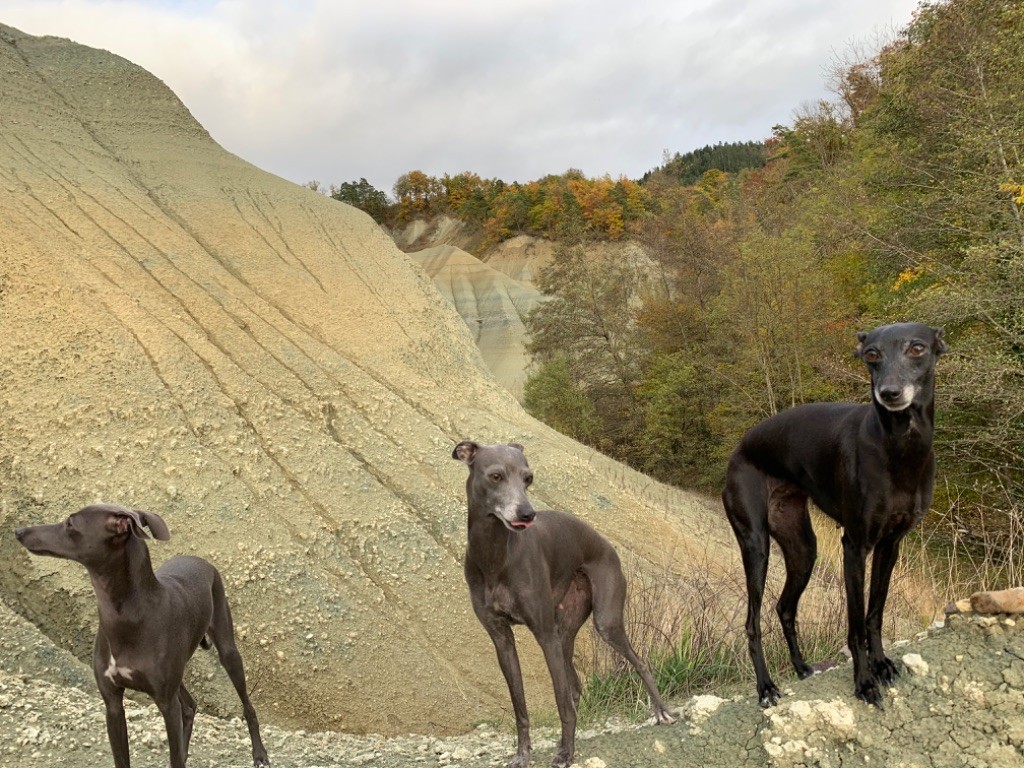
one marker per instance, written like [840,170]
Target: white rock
[916,664]
[700,708]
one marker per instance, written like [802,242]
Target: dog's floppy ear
[466,452]
[133,520]
[122,521]
[861,338]
[940,344]
[155,523]
[517,446]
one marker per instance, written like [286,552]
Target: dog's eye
[917,349]
[497,477]
[872,356]
[528,480]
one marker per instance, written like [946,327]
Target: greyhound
[150,623]
[546,570]
[871,468]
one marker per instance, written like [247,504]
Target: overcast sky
[513,89]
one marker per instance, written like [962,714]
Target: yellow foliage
[1016,189]
[907,276]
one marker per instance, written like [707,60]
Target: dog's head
[901,359]
[498,479]
[92,534]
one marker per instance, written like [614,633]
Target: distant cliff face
[182,332]
[493,305]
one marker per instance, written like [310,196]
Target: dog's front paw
[769,694]
[804,671]
[870,693]
[563,758]
[662,717]
[885,671]
[261,761]
[521,760]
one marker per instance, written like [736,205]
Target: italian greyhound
[547,570]
[871,468]
[150,623]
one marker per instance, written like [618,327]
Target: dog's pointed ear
[940,343]
[517,446]
[466,452]
[861,338]
[155,523]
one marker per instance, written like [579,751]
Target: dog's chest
[119,673]
[501,600]
[904,511]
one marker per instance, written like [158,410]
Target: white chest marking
[115,671]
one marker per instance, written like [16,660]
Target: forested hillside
[732,157]
[900,198]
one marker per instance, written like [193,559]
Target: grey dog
[150,623]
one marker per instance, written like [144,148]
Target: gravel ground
[959,702]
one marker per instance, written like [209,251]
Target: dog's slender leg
[508,660]
[570,615]
[746,506]
[188,715]
[575,685]
[117,727]
[609,605]
[551,645]
[755,566]
[854,559]
[883,562]
[222,633]
[170,708]
[791,528]
[113,703]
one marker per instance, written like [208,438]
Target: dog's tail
[206,643]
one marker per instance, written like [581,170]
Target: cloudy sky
[335,90]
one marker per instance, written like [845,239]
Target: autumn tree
[417,194]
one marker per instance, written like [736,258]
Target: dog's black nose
[526,514]
[19,533]
[890,392]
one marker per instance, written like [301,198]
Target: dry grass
[976,543]
[691,627]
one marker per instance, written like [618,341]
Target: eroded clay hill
[495,293]
[493,305]
[182,332]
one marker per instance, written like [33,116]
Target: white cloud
[507,88]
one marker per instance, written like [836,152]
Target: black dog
[870,468]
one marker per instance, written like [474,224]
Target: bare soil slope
[263,367]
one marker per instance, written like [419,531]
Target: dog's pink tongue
[521,524]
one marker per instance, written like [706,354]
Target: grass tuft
[688,619]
